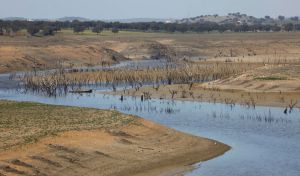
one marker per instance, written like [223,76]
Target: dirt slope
[137,148]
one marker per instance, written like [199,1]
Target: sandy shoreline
[137,148]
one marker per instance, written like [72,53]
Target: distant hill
[237,18]
[73,19]
[230,18]
[137,20]
[45,19]
[15,19]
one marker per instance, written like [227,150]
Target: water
[264,140]
[7,83]
[139,64]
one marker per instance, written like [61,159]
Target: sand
[143,148]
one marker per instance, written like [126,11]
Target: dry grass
[269,78]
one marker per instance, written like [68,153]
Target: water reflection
[133,105]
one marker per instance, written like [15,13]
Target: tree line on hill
[45,28]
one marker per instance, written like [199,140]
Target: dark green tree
[289,27]
[267,17]
[15,27]
[281,18]
[32,29]
[78,28]
[276,28]
[115,30]
[295,18]
[48,30]
[98,28]
[1,27]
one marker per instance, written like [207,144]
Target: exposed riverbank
[203,93]
[93,142]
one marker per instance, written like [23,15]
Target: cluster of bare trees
[62,81]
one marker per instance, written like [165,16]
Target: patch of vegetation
[45,28]
[270,78]
[24,122]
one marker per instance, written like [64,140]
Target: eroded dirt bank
[138,147]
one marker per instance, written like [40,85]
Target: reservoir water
[264,140]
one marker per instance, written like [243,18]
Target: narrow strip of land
[203,93]
[270,85]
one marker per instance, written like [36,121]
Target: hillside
[239,18]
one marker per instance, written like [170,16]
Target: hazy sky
[120,9]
